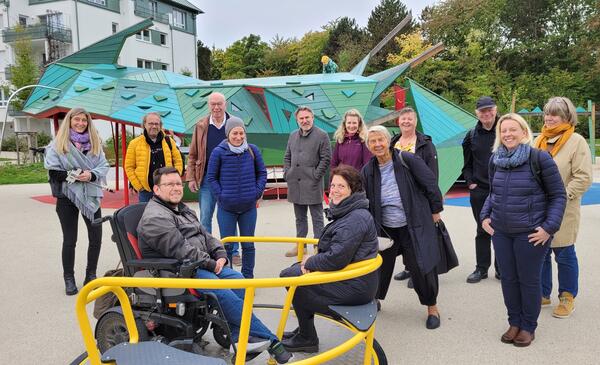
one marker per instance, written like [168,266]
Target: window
[163,39]
[2,98]
[151,65]
[1,21]
[153,8]
[115,28]
[178,19]
[99,2]
[23,20]
[143,35]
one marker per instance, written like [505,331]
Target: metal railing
[37,31]
[101,286]
[147,12]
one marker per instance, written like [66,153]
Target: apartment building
[58,28]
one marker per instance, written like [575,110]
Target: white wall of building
[93,24]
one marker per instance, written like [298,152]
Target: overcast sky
[226,21]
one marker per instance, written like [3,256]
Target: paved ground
[37,321]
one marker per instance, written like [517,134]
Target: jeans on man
[568,271]
[232,302]
[207,202]
[521,267]
[145,196]
[246,221]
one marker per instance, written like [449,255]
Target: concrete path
[37,321]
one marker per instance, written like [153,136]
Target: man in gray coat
[305,162]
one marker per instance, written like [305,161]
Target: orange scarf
[547,133]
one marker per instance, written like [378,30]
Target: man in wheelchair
[169,229]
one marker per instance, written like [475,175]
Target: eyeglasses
[172,185]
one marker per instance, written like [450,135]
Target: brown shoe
[237,260]
[510,334]
[523,339]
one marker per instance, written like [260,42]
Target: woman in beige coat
[572,156]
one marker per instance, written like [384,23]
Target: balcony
[145,11]
[38,31]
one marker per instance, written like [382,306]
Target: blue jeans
[207,202]
[228,221]
[568,271]
[520,263]
[145,196]
[232,302]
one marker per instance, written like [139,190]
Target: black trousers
[426,285]
[68,214]
[312,299]
[483,241]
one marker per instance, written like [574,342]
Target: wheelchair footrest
[361,317]
[154,353]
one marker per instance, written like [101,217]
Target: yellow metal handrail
[101,286]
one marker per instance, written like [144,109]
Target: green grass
[23,174]
[5,159]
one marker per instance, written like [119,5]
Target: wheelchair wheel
[379,355]
[220,335]
[111,330]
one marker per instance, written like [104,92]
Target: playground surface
[39,324]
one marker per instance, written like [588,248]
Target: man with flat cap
[477,150]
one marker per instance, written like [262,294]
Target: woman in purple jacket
[350,138]
[523,210]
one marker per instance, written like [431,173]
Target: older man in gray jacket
[168,228]
[305,163]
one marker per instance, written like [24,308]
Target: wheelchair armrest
[156,264]
[188,268]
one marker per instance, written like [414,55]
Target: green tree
[244,58]
[25,71]
[382,20]
[217,60]
[308,52]
[204,61]
[280,58]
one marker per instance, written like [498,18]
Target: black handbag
[448,258]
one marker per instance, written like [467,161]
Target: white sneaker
[254,347]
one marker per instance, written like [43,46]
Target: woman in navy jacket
[237,177]
[521,213]
[351,236]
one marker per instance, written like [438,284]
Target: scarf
[86,197]
[565,131]
[507,159]
[239,149]
[81,140]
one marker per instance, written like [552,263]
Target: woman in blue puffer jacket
[523,210]
[237,177]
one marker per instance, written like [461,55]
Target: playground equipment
[159,317]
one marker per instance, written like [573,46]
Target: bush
[10,143]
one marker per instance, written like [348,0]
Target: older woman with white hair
[523,210]
[405,202]
[572,155]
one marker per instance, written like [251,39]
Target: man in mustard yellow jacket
[149,152]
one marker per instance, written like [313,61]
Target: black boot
[70,286]
[89,276]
